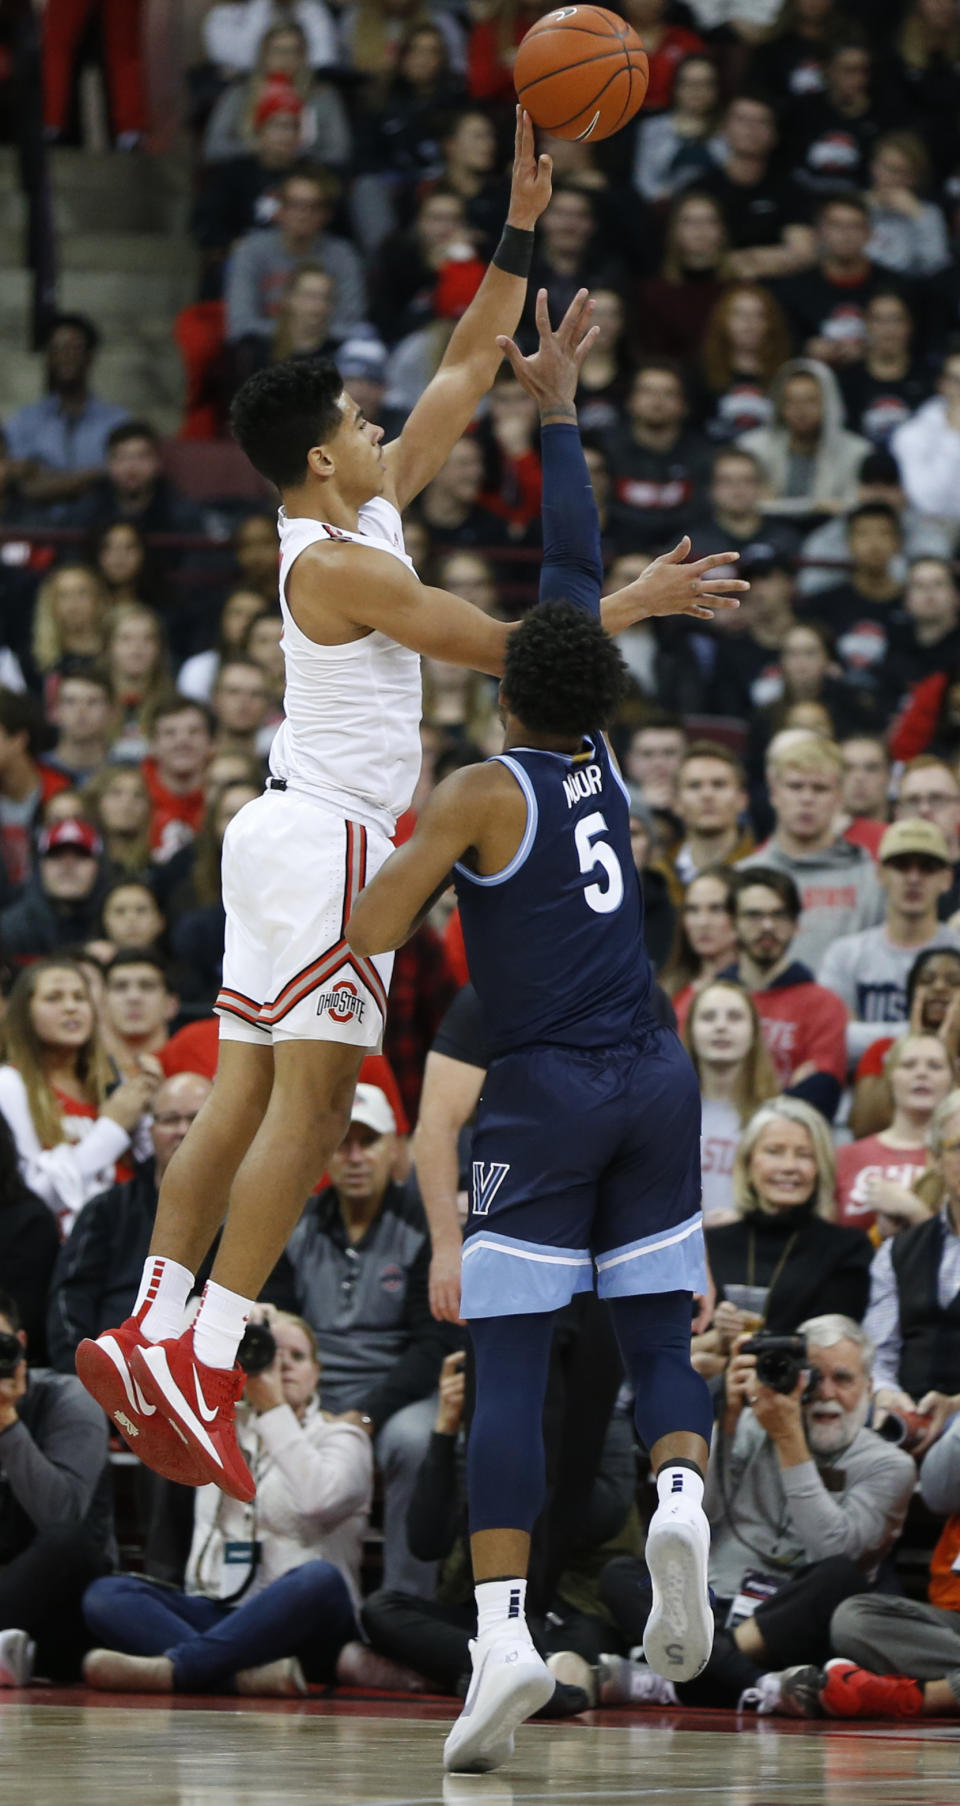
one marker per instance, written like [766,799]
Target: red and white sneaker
[199,1401]
[103,1367]
[852,1692]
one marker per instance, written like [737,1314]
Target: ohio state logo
[343,1003]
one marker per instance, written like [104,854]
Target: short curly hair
[562,674]
[281,412]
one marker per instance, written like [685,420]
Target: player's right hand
[445,1286]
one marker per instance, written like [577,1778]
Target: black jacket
[29,1245]
[827,1269]
[34,925]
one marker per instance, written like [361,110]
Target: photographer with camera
[56,1521]
[273,1587]
[804,1502]
[913,1317]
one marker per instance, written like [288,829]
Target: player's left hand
[530,186]
[552,372]
[670,586]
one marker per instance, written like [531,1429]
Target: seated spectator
[908,235]
[197,905]
[232,35]
[60,904]
[380,1350]
[121,34]
[803,1022]
[256,550]
[604,376]
[135,489]
[765,209]
[748,669]
[98,1272]
[239,702]
[450,505]
[29,1245]
[138,665]
[673,307]
[711,801]
[301,1583]
[659,912]
[868,970]
[281,84]
[654,756]
[138,1008]
[56,1515]
[828,547]
[659,466]
[410,262]
[884,386]
[131,916]
[62,440]
[306,313]
[262,645]
[745,341]
[924,649]
[798,1483]
[912,1315]
[810,694]
[927,448]
[790,60]
[839,890]
[471,169]
[567,256]
[116,802]
[672,149]
[933,1008]
[496,30]
[865,792]
[705,940]
[181,746]
[826,305]
[724,1039]
[403,119]
[735,518]
[810,461]
[509,437]
[27,782]
[197,676]
[859,612]
[123,563]
[263,261]
[902,1656]
[72,1132]
[666,44]
[833,133]
[874,1174]
[784,1255]
[69,622]
[85,714]
[926,50]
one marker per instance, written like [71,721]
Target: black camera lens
[257,1350]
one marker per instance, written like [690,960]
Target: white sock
[164,1289]
[501,1606]
[678,1485]
[221,1321]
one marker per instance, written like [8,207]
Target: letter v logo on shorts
[488,1176]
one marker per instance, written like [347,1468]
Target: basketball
[581,72]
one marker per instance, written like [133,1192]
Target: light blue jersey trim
[671,1261]
[504,1277]
[523,851]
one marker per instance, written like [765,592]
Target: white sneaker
[765,1697]
[679,1633]
[510,1681]
[17,1655]
[622,1682]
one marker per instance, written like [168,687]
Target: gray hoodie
[836,467]
[838,889]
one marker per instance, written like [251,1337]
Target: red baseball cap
[73,836]
[278,95]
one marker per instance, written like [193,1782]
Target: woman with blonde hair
[69,617]
[136,656]
[724,1039]
[72,1131]
[745,340]
[875,1175]
[784,1259]
[117,801]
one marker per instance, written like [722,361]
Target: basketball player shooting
[586,1154]
[298,1007]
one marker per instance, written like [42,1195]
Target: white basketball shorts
[292,870]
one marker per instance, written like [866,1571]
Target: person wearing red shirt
[26,782]
[666,46]
[804,1024]
[180,749]
[874,1174]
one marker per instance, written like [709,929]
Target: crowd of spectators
[774,245]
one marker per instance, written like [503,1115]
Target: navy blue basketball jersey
[555,941]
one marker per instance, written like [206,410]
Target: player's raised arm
[447,405]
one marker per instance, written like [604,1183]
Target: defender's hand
[530,186]
[669,586]
[552,372]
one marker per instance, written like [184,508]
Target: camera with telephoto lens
[258,1349]
[11,1354]
[780,1362]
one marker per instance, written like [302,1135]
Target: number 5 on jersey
[597,854]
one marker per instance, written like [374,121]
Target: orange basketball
[581,72]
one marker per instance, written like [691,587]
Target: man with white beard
[804,1503]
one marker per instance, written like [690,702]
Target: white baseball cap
[372,1108]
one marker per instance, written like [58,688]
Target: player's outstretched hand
[530,185]
[551,373]
[670,586]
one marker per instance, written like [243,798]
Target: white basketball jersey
[351,734]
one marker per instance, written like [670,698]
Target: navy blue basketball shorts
[585,1159]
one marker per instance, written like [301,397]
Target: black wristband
[514,253]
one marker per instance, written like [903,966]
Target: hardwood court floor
[69,1749]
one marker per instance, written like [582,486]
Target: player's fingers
[724,601]
[703,564]
[586,344]
[544,171]
[699,614]
[722,583]
[542,314]
[678,552]
[512,353]
[568,325]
